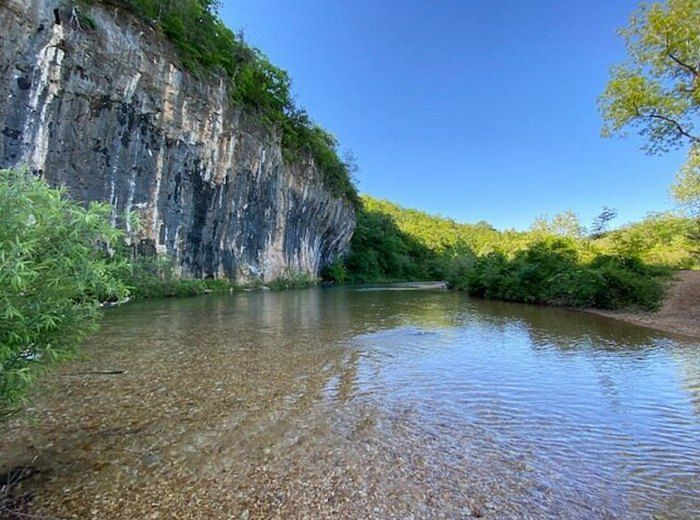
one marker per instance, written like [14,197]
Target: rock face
[110,113]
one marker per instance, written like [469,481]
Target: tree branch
[679,128]
[687,67]
[684,65]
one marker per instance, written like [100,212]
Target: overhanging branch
[679,128]
[687,67]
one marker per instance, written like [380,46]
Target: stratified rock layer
[110,113]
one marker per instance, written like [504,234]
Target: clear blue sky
[473,109]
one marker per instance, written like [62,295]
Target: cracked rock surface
[110,113]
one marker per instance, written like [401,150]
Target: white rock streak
[45,86]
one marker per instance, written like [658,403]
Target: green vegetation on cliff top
[205,46]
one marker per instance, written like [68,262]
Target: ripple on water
[373,403]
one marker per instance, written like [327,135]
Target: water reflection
[366,403]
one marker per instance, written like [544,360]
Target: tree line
[392,243]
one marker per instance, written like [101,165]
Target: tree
[54,270]
[602,221]
[686,189]
[658,89]
[565,224]
[351,165]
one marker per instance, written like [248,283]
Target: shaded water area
[356,403]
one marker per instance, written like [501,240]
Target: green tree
[602,222]
[686,189]
[658,89]
[566,224]
[55,267]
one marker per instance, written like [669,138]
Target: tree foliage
[554,262]
[395,243]
[602,222]
[54,270]
[686,188]
[382,251]
[664,239]
[566,224]
[553,271]
[658,89]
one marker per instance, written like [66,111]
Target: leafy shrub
[552,272]
[54,270]
[335,272]
[157,277]
[293,280]
[484,277]
[628,282]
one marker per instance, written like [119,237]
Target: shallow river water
[364,403]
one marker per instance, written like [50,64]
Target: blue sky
[472,109]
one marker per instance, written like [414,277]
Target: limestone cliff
[110,113]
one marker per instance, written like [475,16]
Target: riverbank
[679,314]
[159,285]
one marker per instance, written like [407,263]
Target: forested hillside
[557,261]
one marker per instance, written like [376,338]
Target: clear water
[353,404]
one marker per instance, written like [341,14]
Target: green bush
[293,280]
[54,270]
[628,282]
[484,277]
[336,272]
[552,272]
[157,277]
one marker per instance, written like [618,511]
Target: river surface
[364,403]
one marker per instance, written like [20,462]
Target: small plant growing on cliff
[54,270]
[292,279]
[79,14]
[335,272]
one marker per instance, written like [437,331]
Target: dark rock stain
[120,127]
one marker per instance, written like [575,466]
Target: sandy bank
[680,313]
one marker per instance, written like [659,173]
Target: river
[364,403]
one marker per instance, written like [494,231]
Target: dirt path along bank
[680,312]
